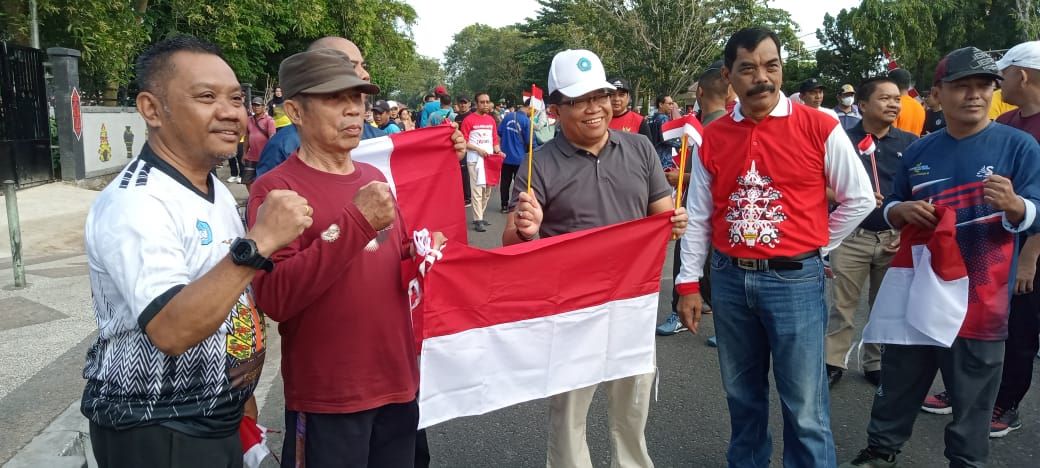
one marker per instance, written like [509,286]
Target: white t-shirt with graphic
[149,234]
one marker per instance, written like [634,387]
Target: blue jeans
[779,313]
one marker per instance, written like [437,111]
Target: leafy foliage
[659,45]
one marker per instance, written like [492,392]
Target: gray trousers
[971,372]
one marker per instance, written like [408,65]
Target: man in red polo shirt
[758,196]
[625,119]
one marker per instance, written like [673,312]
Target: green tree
[255,35]
[841,58]
[660,45]
[483,58]
[919,32]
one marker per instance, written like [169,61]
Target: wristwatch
[244,253]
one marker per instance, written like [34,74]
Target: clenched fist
[375,202]
[281,218]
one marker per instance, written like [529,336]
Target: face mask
[847,101]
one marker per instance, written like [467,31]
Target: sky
[440,20]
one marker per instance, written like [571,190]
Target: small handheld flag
[536,103]
[689,129]
[867,147]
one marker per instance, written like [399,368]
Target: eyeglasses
[585,102]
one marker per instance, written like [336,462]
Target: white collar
[783,108]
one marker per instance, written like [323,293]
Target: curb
[65,443]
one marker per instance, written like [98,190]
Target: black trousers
[1020,348]
[705,280]
[159,447]
[384,436]
[971,373]
[465,181]
[235,163]
[506,184]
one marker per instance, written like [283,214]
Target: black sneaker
[873,376]
[478,226]
[834,374]
[871,458]
[484,222]
[504,211]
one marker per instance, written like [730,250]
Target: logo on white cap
[584,64]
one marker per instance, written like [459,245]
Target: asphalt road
[47,328]
[688,424]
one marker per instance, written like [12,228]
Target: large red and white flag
[923,298]
[687,125]
[504,326]
[423,172]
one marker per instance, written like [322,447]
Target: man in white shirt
[181,343]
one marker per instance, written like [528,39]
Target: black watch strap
[245,253]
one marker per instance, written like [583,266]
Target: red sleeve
[494,133]
[466,127]
[303,273]
[685,289]
[270,128]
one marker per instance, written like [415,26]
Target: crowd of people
[781,191]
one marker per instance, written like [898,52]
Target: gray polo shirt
[579,190]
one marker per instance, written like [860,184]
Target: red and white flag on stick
[689,129]
[538,120]
[867,147]
[537,101]
[546,317]
[687,125]
[423,172]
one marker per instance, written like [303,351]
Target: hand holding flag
[689,128]
[867,147]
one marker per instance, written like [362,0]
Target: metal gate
[25,144]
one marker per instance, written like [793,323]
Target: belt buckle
[748,264]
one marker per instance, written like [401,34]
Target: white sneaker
[231,180]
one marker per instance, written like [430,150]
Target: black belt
[775,263]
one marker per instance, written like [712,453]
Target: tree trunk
[1024,11]
[111,94]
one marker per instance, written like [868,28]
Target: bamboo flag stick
[530,141]
[682,172]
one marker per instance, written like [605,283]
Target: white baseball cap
[1025,55]
[575,72]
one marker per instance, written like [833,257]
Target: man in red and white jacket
[758,196]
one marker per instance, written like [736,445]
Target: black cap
[809,85]
[714,67]
[965,62]
[621,83]
[380,107]
[258,101]
[462,98]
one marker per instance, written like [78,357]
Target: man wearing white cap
[569,174]
[1020,68]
